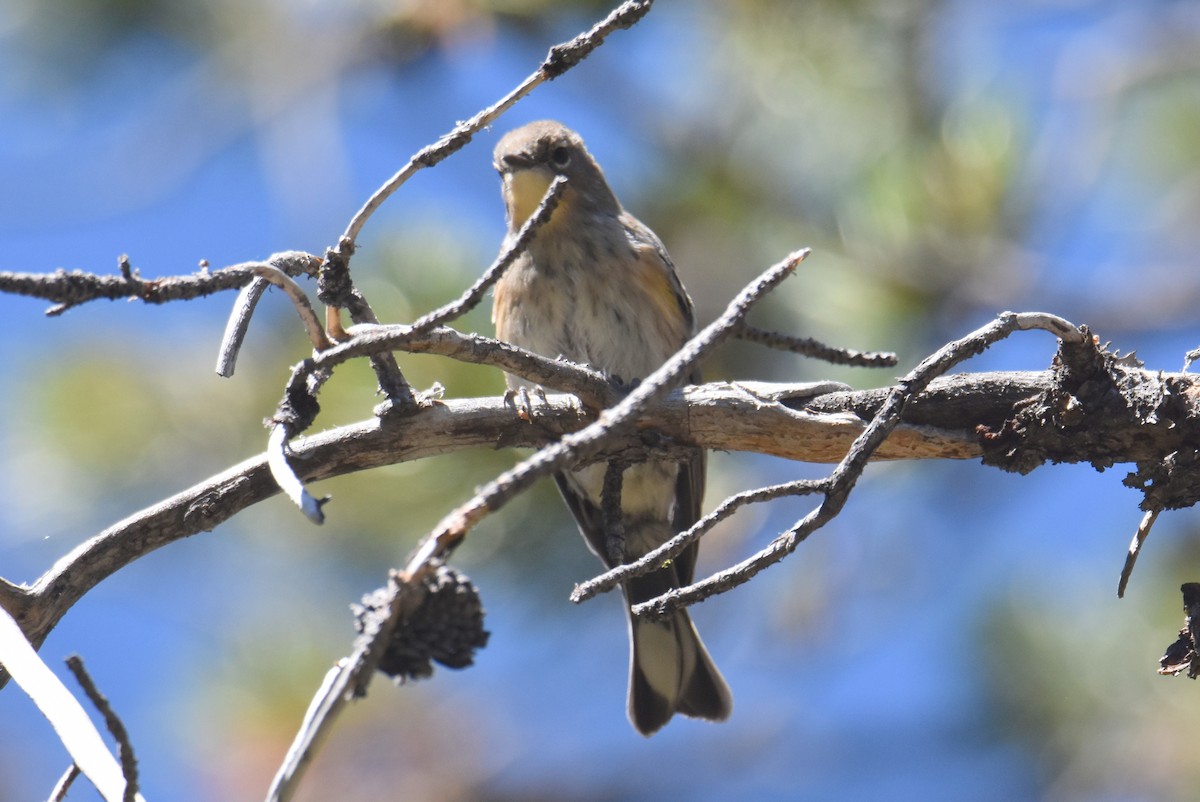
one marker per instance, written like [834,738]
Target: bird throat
[524,190]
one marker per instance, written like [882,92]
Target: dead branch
[116,728]
[561,58]
[335,287]
[243,310]
[807,346]
[59,792]
[940,423]
[69,289]
[1089,407]
[299,406]
[844,477]
[1184,653]
[64,712]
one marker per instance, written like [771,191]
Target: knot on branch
[299,406]
[334,286]
[447,627]
[431,155]
[564,56]
[1182,655]
[1096,403]
[1170,484]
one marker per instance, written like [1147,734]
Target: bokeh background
[954,634]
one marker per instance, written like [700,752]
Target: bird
[596,286]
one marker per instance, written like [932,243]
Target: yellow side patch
[650,276]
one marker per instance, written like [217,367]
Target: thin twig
[1135,549]
[513,248]
[243,309]
[561,58]
[59,793]
[392,384]
[116,728]
[610,507]
[846,474]
[592,387]
[312,325]
[64,712]
[806,346]
[237,325]
[71,289]
[347,680]
[322,711]
[595,389]
[654,559]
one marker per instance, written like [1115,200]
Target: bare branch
[65,714]
[115,728]
[1061,328]
[243,310]
[591,386]
[59,792]
[1135,548]
[286,478]
[846,474]
[238,324]
[806,346]
[513,248]
[342,683]
[941,423]
[318,721]
[387,372]
[561,58]
[69,289]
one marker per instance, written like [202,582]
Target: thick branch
[849,469]
[939,423]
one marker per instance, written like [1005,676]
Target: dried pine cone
[447,627]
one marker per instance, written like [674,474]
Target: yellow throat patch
[525,190]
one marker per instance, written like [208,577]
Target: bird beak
[513,162]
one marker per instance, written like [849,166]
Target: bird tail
[670,671]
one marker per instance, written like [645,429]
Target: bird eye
[561,156]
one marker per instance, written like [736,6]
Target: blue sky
[853,667]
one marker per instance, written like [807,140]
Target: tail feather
[671,672]
[705,695]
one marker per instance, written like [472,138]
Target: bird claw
[522,400]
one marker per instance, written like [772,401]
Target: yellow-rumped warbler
[596,286]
